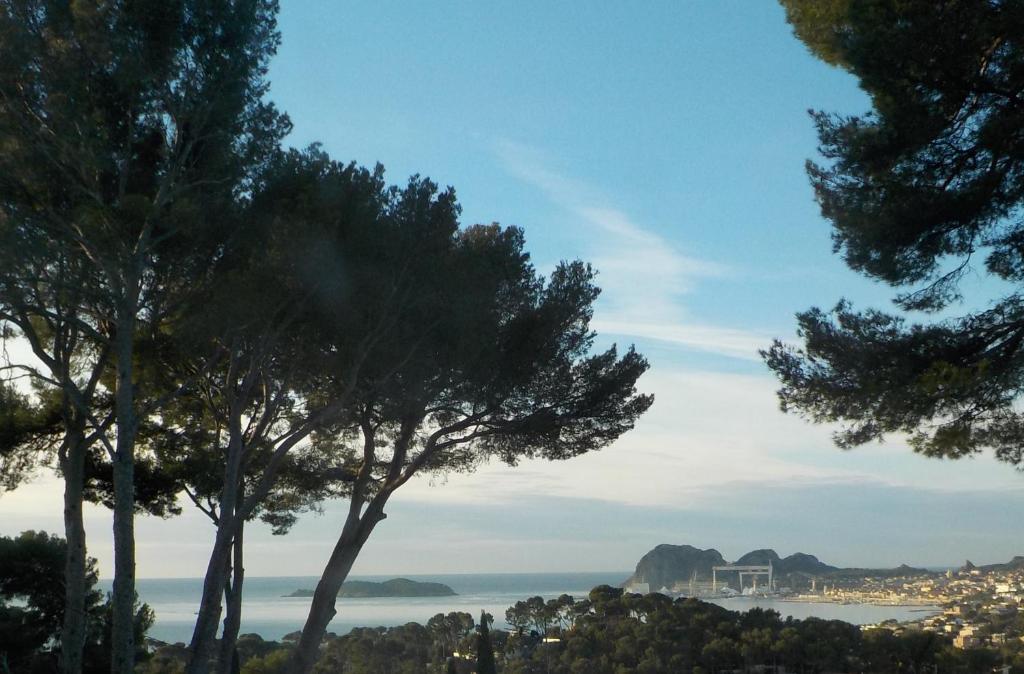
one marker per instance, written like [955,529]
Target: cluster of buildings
[981,608]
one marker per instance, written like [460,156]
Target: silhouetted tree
[484,650]
[129,131]
[929,181]
[32,606]
[487,360]
[310,275]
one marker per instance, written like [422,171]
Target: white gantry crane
[753,570]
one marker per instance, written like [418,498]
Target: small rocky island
[396,587]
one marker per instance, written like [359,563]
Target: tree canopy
[130,132]
[925,188]
[32,607]
[475,356]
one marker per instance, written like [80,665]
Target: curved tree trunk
[228,661]
[322,610]
[204,635]
[72,638]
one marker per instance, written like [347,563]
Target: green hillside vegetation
[396,587]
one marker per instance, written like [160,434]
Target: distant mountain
[1014,564]
[900,571]
[667,565]
[396,587]
[796,563]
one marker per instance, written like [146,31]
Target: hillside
[666,565]
[396,587]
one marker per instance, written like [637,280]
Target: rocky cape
[396,587]
[669,565]
[1015,564]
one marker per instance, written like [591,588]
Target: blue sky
[665,143]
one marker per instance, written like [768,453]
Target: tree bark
[72,638]
[322,610]
[229,524]
[123,631]
[228,662]
[204,635]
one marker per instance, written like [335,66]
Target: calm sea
[268,613]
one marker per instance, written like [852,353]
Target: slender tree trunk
[228,662]
[322,610]
[72,638]
[204,635]
[123,635]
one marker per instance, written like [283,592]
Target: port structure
[752,570]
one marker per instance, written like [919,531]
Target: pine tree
[926,187]
[484,649]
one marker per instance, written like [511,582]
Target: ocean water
[267,612]
[858,614]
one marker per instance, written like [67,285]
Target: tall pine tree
[925,188]
[484,649]
[129,130]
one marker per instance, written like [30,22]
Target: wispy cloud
[742,344]
[645,276]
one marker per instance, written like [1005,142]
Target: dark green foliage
[408,649]
[919,191]
[487,360]
[28,431]
[448,630]
[484,649]
[615,633]
[130,133]
[654,634]
[31,574]
[31,567]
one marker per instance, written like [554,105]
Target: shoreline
[924,604]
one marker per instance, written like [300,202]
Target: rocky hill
[1015,564]
[667,565]
[796,563]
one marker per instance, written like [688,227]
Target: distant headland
[669,566]
[396,587]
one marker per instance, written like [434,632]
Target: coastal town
[979,607]
[972,606]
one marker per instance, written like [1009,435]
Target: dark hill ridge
[666,565]
[396,587]
[796,563]
[1014,564]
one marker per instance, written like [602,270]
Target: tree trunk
[72,637]
[229,525]
[204,635]
[123,633]
[322,610]
[228,662]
